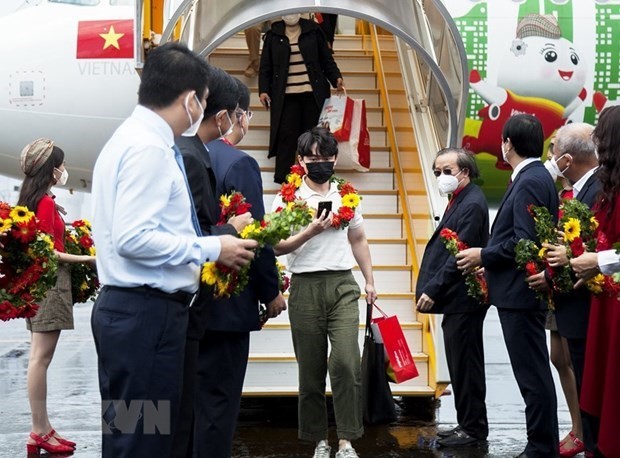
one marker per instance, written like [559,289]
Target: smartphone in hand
[324,206]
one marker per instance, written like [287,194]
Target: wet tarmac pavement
[267,427]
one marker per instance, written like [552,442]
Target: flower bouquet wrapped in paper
[28,263]
[84,280]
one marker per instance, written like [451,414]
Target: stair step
[370,95]
[353,62]
[352,79]
[374,115]
[342,42]
[274,375]
[388,279]
[278,336]
[379,158]
[375,179]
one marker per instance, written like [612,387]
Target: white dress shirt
[582,181]
[609,262]
[329,250]
[521,166]
[142,224]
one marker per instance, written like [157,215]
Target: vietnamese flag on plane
[112,39]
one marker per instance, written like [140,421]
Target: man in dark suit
[221,104]
[574,157]
[224,348]
[441,288]
[521,314]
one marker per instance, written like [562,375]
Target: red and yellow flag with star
[112,39]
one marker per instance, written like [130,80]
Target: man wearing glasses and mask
[441,289]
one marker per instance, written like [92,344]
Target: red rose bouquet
[84,280]
[476,282]
[28,263]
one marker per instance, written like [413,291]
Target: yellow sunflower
[221,288]
[572,229]
[21,214]
[92,251]
[294,178]
[208,273]
[5,224]
[225,200]
[350,200]
[594,223]
[47,239]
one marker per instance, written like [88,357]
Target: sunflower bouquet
[530,255]
[28,263]
[275,226]
[476,282]
[84,280]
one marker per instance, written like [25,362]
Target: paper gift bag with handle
[355,152]
[377,401]
[387,330]
[337,114]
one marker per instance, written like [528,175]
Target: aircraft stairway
[272,369]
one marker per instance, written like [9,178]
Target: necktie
[179,159]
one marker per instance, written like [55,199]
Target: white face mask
[64,176]
[552,171]
[291,19]
[448,183]
[193,128]
[554,165]
[505,153]
[230,129]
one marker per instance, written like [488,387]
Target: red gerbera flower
[25,232]
[531,268]
[336,220]
[346,213]
[298,169]
[288,192]
[448,234]
[347,188]
[78,223]
[242,208]
[576,246]
[86,241]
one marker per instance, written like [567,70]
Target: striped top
[298,80]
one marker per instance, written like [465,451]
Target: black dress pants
[300,113]
[465,356]
[222,362]
[524,335]
[140,342]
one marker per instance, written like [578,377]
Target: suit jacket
[507,287]
[236,170]
[201,180]
[439,278]
[572,310]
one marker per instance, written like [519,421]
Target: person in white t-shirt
[323,302]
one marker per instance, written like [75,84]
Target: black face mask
[320,172]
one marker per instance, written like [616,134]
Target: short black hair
[464,160]
[170,70]
[244,94]
[223,92]
[327,146]
[526,135]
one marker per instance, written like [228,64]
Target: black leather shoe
[459,439]
[448,432]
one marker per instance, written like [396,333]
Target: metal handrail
[391,134]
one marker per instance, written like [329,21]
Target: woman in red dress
[600,395]
[44,166]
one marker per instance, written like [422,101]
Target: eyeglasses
[444,171]
[240,114]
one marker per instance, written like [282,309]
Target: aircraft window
[77,2]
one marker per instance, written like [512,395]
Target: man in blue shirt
[150,256]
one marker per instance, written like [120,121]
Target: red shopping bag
[337,113]
[387,330]
[355,152]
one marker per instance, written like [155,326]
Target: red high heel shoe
[41,442]
[61,440]
[572,447]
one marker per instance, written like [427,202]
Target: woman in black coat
[296,68]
